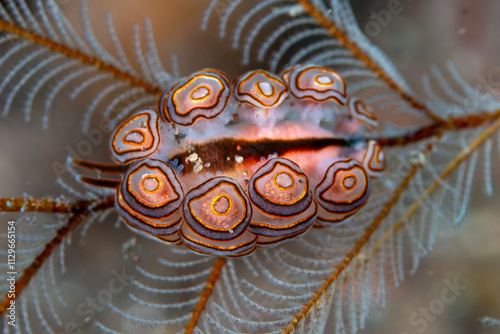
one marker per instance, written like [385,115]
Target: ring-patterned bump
[374,159]
[216,215]
[217,209]
[359,111]
[203,94]
[316,83]
[261,89]
[280,192]
[136,138]
[345,188]
[150,197]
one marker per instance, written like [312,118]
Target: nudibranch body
[224,167]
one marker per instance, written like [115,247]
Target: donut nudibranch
[225,167]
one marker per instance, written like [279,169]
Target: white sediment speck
[296,10]
[238,158]
[198,167]
[416,158]
[192,157]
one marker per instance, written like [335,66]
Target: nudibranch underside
[226,166]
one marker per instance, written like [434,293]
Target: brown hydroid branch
[434,186]
[360,243]
[78,55]
[361,55]
[78,215]
[97,166]
[47,205]
[464,154]
[205,295]
[438,128]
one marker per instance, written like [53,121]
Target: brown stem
[361,55]
[98,166]
[79,214]
[48,205]
[438,128]
[78,55]
[205,295]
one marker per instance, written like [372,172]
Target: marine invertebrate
[217,215]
